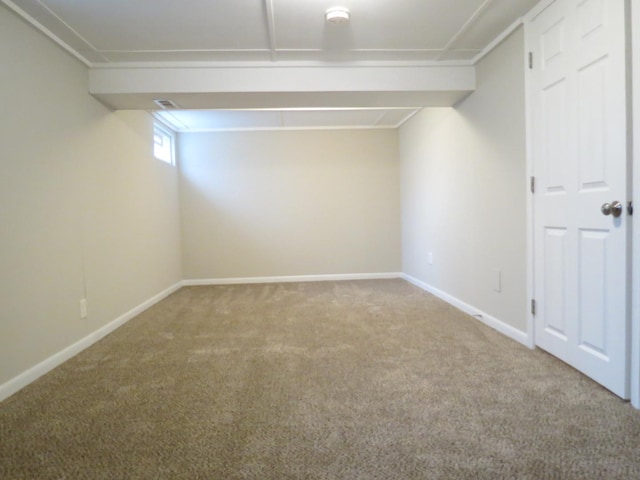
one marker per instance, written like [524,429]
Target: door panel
[592,125]
[591,314]
[556,134]
[580,163]
[555,248]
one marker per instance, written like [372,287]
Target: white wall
[86,211]
[463,190]
[284,203]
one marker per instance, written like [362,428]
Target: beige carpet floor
[335,380]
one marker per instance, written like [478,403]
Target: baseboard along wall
[32,374]
[19,382]
[502,327]
[292,278]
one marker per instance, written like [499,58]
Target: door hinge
[630,208]
[532,184]
[533,307]
[530,60]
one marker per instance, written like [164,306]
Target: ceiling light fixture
[337,15]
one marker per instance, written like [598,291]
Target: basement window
[163,144]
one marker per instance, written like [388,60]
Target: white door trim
[535,11]
[635,256]
[633,9]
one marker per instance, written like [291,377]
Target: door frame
[635,224]
[634,258]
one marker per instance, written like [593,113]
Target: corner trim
[25,378]
[291,278]
[507,330]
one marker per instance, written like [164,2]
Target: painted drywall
[87,212]
[463,184]
[281,203]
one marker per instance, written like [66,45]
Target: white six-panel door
[579,159]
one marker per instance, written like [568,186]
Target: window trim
[166,133]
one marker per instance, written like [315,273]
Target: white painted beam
[274,87]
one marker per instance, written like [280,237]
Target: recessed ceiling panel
[358,55]
[338,118]
[492,22]
[190,56]
[164,24]
[220,120]
[375,24]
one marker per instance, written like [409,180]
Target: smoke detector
[337,15]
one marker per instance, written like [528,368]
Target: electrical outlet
[83,308]
[430,258]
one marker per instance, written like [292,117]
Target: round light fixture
[337,15]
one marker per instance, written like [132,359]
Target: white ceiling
[274,33]
[228,120]
[274,30]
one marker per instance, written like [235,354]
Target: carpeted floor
[335,380]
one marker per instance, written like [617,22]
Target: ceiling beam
[274,87]
[284,100]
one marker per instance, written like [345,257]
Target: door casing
[634,173]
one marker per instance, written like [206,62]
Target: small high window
[163,147]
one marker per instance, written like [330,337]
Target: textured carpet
[336,380]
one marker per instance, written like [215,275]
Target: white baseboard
[17,383]
[292,278]
[502,327]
